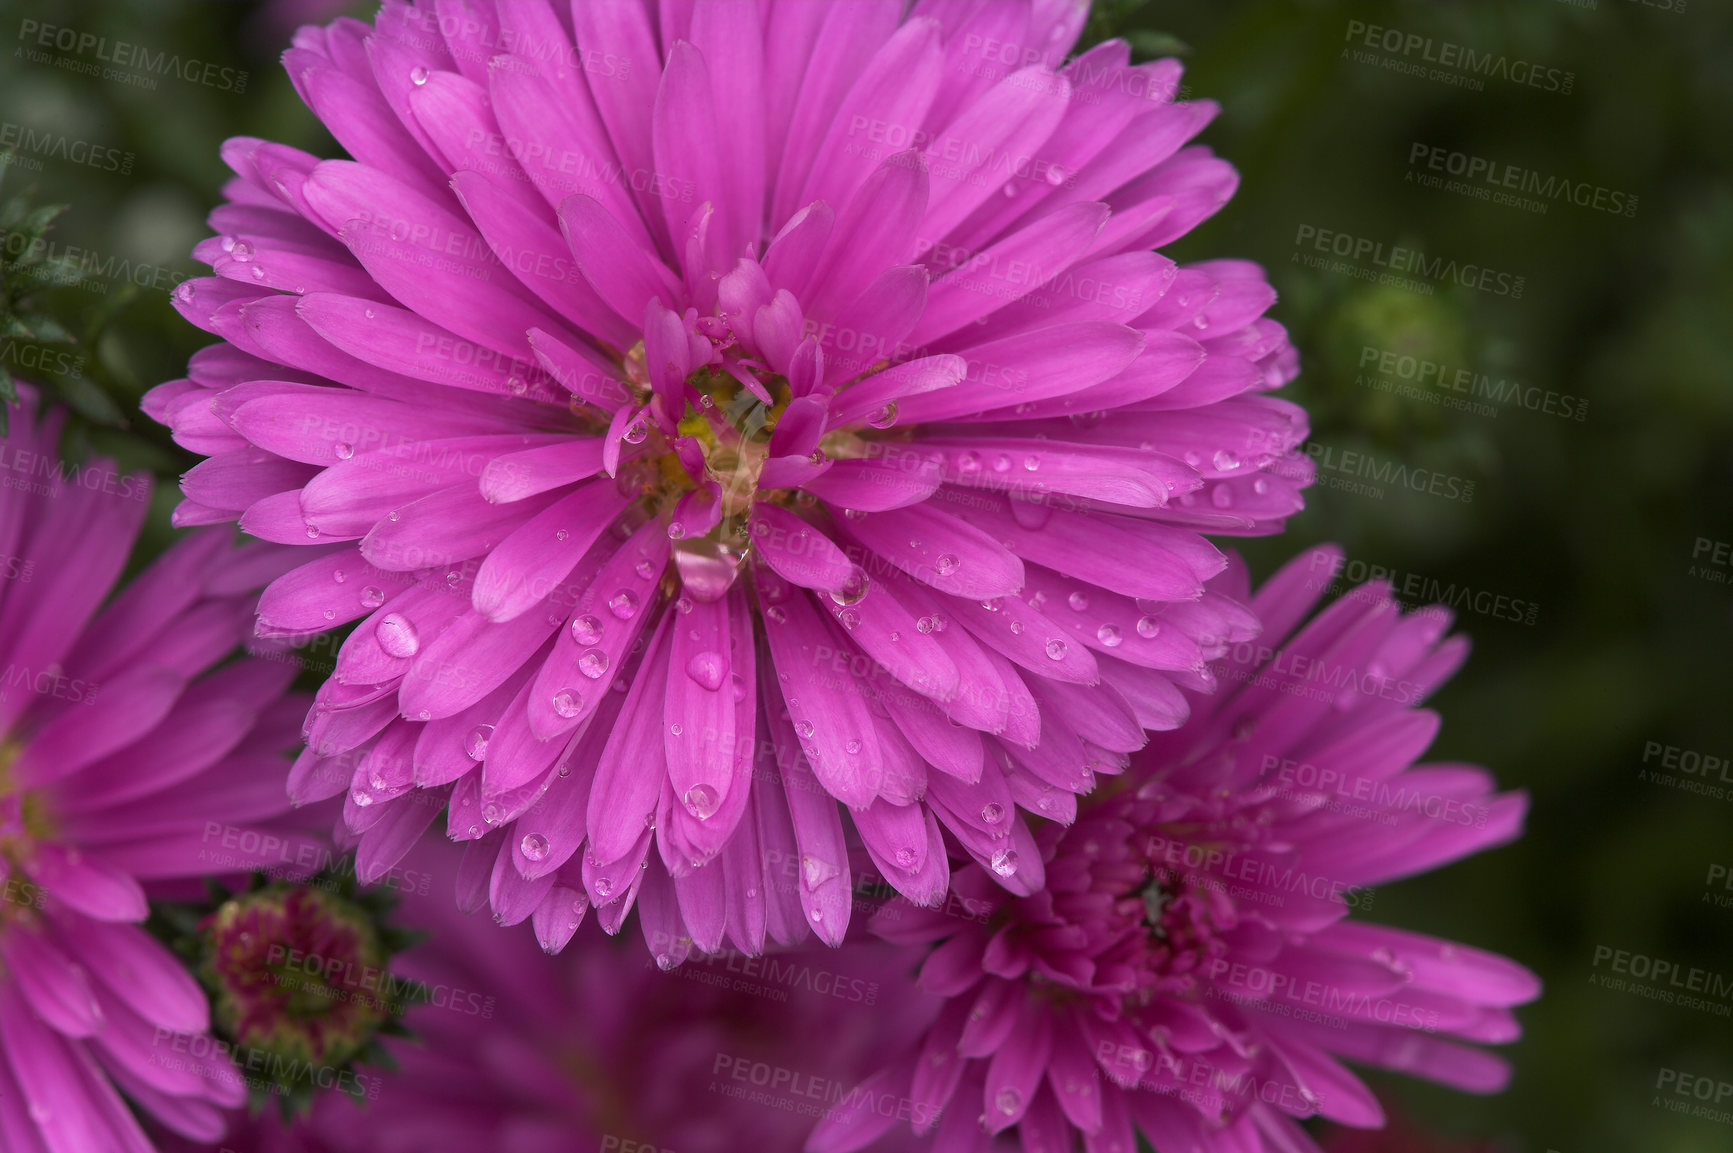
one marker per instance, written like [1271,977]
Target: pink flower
[690,398]
[1191,971]
[131,758]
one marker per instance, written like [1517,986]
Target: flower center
[298,974]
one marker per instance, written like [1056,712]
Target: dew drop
[853,589]
[623,604]
[1056,649]
[397,636]
[701,801]
[372,597]
[906,857]
[676,728]
[1261,485]
[587,630]
[644,569]
[604,887]
[1079,600]
[1031,463]
[1005,862]
[561,534]
[992,812]
[344,450]
[1148,628]
[242,251]
[636,433]
[969,463]
[804,728]
[1109,636]
[361,797]
[593,664]
[708,669]
[258,273]
[1001,463]
[369,314]
[475,745]
[1056,175]
[849,619]
[884,417]
[1031,515]
[330,614]
[947,564]
[1008,1101]
[776,615]
[1016,628]
[853,747]
[418,75]
[534,847]
[312,533]
[924,625]
[1226,461]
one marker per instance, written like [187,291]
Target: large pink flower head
[675,392]
[131,757]
[1191,971]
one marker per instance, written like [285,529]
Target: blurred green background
[1595,524]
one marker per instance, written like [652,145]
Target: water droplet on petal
[1031,463]
[947,564]
[475,745]
[1001,463]
[701,801]
[636,432]
[644,569]
[853,589]
[1148,628]
[534,846]
[1109,636]
[992,812]
[312,533]
[330,614]
[587,630]
[344,450]
[849,619]
[1008,1101]
[1079,600]
[804,728]
[369,314]
[623,604]
[397,636]
[593,664]
[604,886]
[568,703]
[1056,649]
[372,597]
[1226,461]
[969,463]
[418,75]
[884,417]
[1056,173]
[906,857]
[776,615]
[708,669]
[1005,862]
[676,728]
